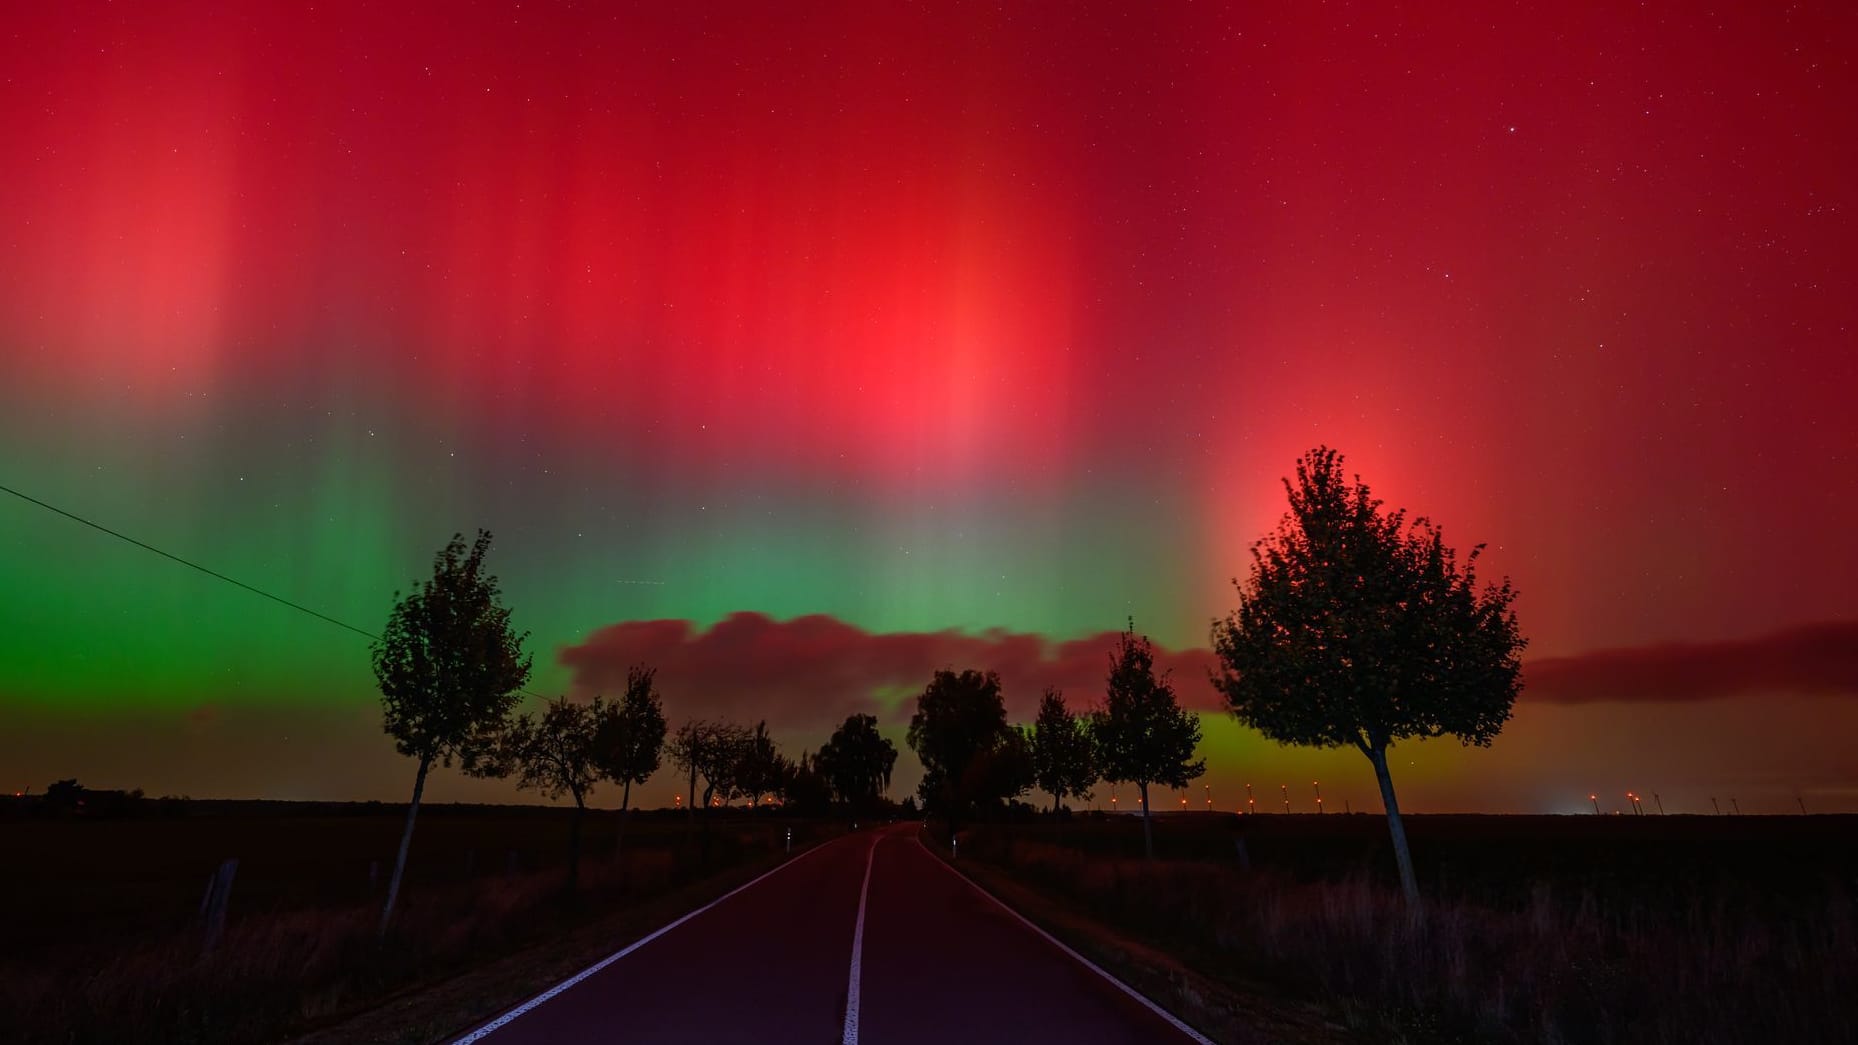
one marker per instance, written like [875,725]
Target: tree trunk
[709,792]
[406,842]
[1402,857]
[1148,837]
[574,845]
[625,808]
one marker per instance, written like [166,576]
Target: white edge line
[504,1020]
[851,989]
[1198,1037]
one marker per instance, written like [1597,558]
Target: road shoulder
[1221,1011]
[443,1010]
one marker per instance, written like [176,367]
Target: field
[1561,929]
[101,916]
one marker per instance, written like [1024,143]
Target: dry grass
[1560,967]
[278,972]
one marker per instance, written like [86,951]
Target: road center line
[1175,1021]
[504,1020]
[851,990]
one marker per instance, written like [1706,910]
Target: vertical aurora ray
[920,320]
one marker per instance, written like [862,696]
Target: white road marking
[1174,1020]
[851,990]
[504,1020]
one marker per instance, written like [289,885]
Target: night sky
[802,349]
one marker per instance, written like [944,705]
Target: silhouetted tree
[759,765]
[555,754]
[1358,628]
[1064,756]
[857,761]
[63,796]
[713,751]
[450,670]
[1004,771]
[629,741]
[1143,735]
[804,788]
[958,718]
[689,749]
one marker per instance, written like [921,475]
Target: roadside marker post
[790,841]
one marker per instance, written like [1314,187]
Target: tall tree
[759,766]
[450,670]
[959,717]
[629,741]
[804,787]
[713,751]
[556,754]
[1357,627]
[1143,735]
[688,749]
[1064,756]
[857,761]
[1005,770]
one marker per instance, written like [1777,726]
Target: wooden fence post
[213,906]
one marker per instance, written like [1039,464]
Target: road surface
[865,939]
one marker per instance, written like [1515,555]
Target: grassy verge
[1231,1010]
[281,972]
[1555,969]
[441,1011]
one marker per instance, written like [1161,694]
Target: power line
[189,563]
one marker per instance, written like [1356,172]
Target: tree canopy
[959,716]
[1143,734]
[450,670]
[555,754]
[630,733]
[857,761]
[1358,627]
[1064,757]
[449,665]
[714,751]
[760,768]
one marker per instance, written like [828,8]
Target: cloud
[809,673]
[1813,660]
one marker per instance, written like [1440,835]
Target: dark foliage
[1359,628]
[450,670]
[1064,756]
[856,762]
[1143,735]
[959,717]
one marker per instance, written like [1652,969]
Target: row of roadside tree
[1356,627]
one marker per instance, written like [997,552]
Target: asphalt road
[787,958]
